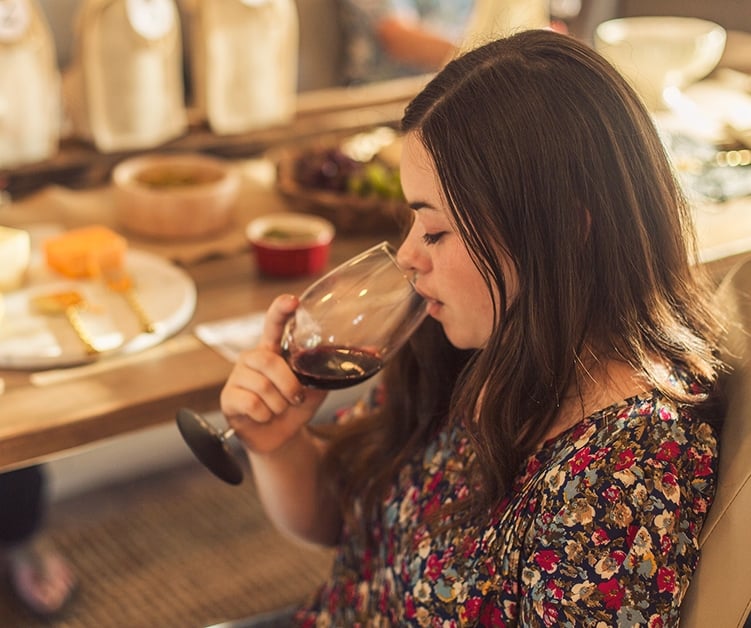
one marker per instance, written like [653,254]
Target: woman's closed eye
[432,238]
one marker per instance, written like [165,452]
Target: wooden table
[59,411]
[81,405]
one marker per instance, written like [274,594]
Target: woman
[544,453]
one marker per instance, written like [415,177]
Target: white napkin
[230,336]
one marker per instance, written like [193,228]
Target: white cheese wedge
[15,254]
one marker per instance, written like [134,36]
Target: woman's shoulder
[644,436]
[649,418]
[649,421]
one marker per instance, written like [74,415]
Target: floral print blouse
[600,529]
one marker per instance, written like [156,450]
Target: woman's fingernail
[298,399]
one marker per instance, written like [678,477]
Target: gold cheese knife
[70,304]
[118,280]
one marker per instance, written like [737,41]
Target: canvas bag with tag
[244,60]
[30,99]
[125,87]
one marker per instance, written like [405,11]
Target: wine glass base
[208,446]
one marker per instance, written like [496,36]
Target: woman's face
[445,274]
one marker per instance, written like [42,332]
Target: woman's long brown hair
[547,157]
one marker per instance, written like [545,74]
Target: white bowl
[659,53]
[181,195]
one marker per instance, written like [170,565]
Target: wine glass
[346,326]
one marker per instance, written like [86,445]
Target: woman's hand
[263,400]
[268,409]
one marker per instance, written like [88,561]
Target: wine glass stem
[228,433]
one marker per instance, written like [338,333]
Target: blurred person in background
[385,39]
[39,576]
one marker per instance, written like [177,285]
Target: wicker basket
[350,214]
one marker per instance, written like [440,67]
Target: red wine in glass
[347,324]
[331,367]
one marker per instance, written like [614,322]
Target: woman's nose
[408,255]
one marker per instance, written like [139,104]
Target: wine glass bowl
[351,320]
[346,326]
[659,53]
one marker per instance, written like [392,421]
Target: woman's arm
[269,410]
[293,491]
[408,42]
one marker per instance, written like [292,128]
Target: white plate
[29,340]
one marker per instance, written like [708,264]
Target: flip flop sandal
[42,580]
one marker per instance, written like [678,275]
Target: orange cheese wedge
[83,252]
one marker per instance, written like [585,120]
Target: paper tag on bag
[151,19]
[15,19]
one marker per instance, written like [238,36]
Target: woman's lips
[433,307]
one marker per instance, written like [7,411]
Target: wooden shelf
[338,110]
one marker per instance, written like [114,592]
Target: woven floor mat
[178,549]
